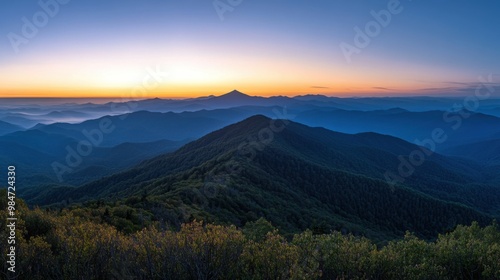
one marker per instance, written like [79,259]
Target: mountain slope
[34,153]
[140,126]
[407,125]
[144,126]
[300,176]
[6,128]
[486,152]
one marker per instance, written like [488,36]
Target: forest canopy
[73,244]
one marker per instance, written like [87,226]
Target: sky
[187,48]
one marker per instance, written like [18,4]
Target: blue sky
[263,47]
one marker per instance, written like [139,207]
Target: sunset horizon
[182,50]
[127,95]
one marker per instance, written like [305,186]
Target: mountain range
[26,113]
[6,128]
[295,176]
[342,163]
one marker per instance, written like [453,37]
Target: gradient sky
[104,48]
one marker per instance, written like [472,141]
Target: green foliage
[272,258]
[74,244]
[37,223]
[258,230]
[411,258]
[468,251]
[78,244]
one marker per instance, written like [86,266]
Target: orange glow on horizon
[201,90]
[190,73]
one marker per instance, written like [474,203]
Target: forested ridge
[303,176]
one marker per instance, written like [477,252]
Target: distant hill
[302,176]
[66,114]
[144,126]
[236,98]
[6,128]
[29,112]
[21,120]
[407,125]
[139,126]
[485,152]
[397,122]
[33,152]
[233,99]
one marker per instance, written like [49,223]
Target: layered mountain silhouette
[484,152]
[410,126]
[232,99]
[241,164]
[152,126]
[295,176]
[465,128]
[28,114]
[6,128]
[34,152]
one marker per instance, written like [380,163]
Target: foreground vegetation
[68,245]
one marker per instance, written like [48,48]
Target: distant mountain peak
[38,125]
[255,119]
[234,98]
[235,93]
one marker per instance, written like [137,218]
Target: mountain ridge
[332,181]
[6,128]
